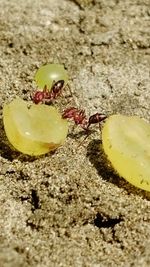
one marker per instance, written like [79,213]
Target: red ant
[80,118]
[46,96]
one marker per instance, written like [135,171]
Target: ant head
[57,86]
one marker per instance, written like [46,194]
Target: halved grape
[49,73]
[33,129]
[126,142]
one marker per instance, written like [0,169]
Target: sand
[69,208]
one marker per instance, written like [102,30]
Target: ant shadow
[80,134]
[99,160]
[8,152]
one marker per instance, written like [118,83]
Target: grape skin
[126,142]
[32,129]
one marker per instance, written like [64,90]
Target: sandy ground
[67,208]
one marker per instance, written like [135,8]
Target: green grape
[33,129]
[50,73]
[126,142]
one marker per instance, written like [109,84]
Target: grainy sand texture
[69,208]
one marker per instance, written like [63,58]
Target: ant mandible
[47,96]
[79,117]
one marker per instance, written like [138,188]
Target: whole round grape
[47,74]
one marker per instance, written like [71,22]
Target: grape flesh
[50,73]
[32,129]
[126,142]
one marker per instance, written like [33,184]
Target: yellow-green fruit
[126,142]
[50,73]
[33,129]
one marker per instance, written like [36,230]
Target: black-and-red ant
[47,96]
[79,117]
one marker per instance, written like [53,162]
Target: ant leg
[71,94]
[87,132]
[100,127]
[53,82]
[74,127]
